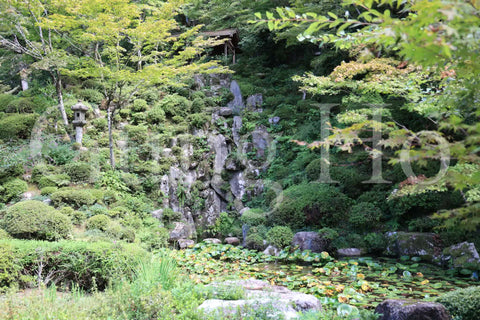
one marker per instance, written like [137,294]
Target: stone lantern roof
[79,110]
[79,107]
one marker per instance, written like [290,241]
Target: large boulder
[278,302]
[462,255]
[310,240]
[411,310]
[181,231]
[427,246]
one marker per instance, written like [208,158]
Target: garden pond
[363,282]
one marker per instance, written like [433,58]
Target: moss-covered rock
[462,255]
[427,246]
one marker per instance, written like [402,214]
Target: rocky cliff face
[220,166]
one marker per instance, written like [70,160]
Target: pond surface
[363,282]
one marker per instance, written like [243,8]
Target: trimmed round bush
[36,220]
[310,204]
[156,115]
[365,216]
[137,134]
[462,304]
[253,217]
[73,197]
[198,105]
[175,105]
[100,124]
[77,217]
[48,190]
[139,105]
[280,236]
[255,241]
[54,180]
[41,170]
[12,190]
[100,222]
[79,171]
[17,126]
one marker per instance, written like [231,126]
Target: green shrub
[54,180]
[90,95]
[118,212]
[156,115]
[12,190]
[364,216]
[375,242]
[225,224]
[137,134]
[255,241]
[139,105]
[280,236]
[139,117]
[5,100]
[253,217]
[124,113]
[4,235]
[310,204]
[9,268]
[154,237]
[99,222]
[197,120]
[35,220]
[88,265]
[97,209]
[79,171]
[462,304]
[73,197]
[41,170]
[169,216]
[128,234]
[101,124]
[60,154]
[313,169]
[175,105]
[198,105]
[77,217]
[22,105]
[45,191]
[16,126]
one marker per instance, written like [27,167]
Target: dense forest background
[352,124]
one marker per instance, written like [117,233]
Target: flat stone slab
[276,301]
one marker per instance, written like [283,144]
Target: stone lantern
[79,112]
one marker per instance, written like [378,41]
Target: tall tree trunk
[57,80]
[110,136]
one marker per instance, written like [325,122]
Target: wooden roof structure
[231,36]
